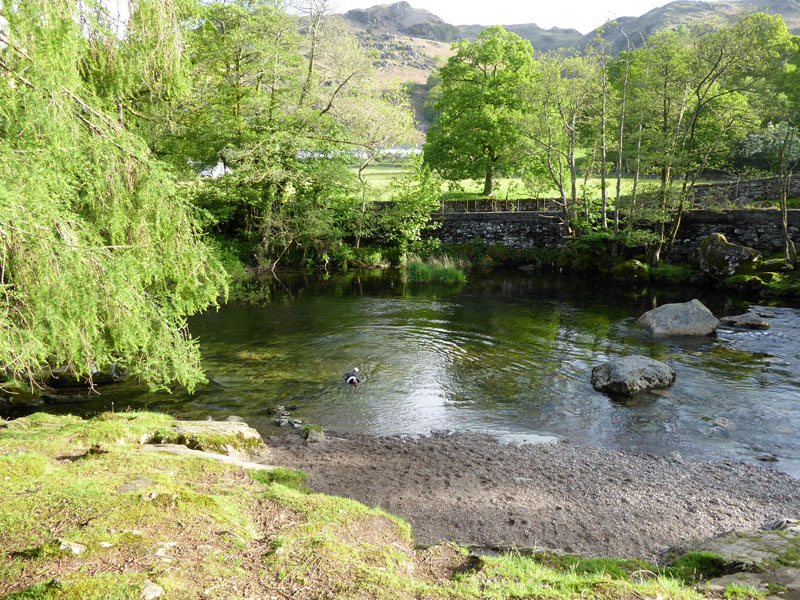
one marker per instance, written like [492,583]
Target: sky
[583,15]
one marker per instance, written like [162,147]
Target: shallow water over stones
[509,354]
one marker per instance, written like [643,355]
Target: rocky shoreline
[474,490]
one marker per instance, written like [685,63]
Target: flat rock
[751,580]
[315,436]
[683,318]
[136,485]
[151,591]
[184,451]
[756,551]
[71,547]
[748,320]
[232,438]
[629,375]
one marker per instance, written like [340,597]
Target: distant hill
[403,19]
[693,12]
[408,43]
[541,39]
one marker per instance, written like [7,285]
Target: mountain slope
[690,13]
[403,19]
[541,39]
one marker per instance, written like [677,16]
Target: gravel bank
[472,489]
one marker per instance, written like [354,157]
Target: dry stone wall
[760,229]
[517,230]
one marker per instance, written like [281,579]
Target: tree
[777,140]
[100,258]
[701,83]
[475,135]
[560,97]
[284,102]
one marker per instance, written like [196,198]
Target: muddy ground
[472,489]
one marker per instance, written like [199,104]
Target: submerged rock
[721,259]
[632,374]
[748,320]
[685,318]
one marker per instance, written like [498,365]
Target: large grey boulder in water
[629,375]
[684,318]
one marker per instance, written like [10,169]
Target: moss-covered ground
[201,529]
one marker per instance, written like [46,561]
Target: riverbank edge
[88,513]
[772,280]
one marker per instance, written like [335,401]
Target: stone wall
[760,229]
[741,193]
[517,230]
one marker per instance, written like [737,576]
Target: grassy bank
[438,269]
[88,514]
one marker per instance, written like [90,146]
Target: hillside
[692,12]
[408,43]
[402,19]
[541,39]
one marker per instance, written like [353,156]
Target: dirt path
[471,489]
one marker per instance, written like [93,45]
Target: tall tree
[777,140]
[560,97]
[475,135]
[100,258]
[701,82]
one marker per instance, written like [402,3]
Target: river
[507,353]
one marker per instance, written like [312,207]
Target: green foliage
[414,196]
[742,592]
[101,260]
[475,133]
[670,273]
[434,269]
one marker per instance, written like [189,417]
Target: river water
[509,354]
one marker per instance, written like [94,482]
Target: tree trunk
[603,195]
[789,250]
[488,183]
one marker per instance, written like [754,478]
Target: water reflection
[509,354]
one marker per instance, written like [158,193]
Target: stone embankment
[757,228]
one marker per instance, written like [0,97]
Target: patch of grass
[670,273]
[435,269]
[742,592]
[698,565]
[787,285]
[615,568]
[291,478]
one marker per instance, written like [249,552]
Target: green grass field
[380,177]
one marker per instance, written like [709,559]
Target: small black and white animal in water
[352,377]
